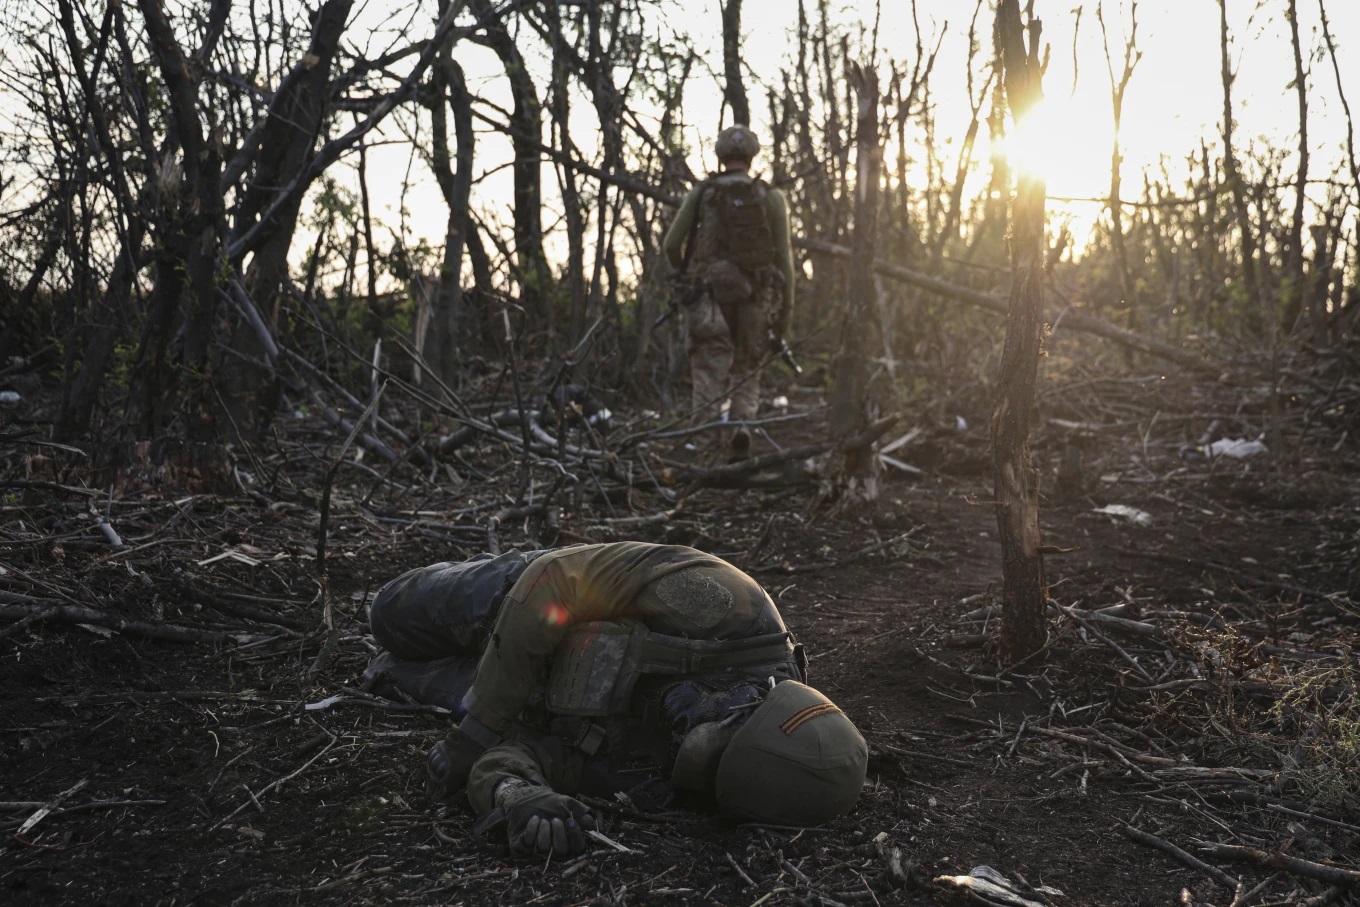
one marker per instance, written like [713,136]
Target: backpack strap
[694,228]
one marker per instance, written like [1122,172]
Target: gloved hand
[449,762]
[538,820]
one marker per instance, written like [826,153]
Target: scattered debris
[1132,514]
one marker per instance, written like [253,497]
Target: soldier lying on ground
[655,670]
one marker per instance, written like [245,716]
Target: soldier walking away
[731,237]
[655,670]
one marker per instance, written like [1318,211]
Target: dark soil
[228,772]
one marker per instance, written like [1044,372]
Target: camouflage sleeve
[547,600]
[674,243]
[532,622]
[497,763]
[545,761]
[778,211]
[570,586]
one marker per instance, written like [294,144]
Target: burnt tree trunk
[526,138]
[572,208]
[1023,628]
[610,104]
[849,406]
[98,337]
[188,250]
[1250,281]
[370,251]
[456,186]
[1127,285]
[734,91]
[285,150]
[1293,271]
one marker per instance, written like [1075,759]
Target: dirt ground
[1210,707]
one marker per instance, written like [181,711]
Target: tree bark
[456,186]
[1023,628]
[286,147]
[1132,55]
[188,252]
[526,133]
[1293,270]
[849,406]
[734,91]
[572,209]
[1341,94]
[1250,282]
[98,338]
[292,126]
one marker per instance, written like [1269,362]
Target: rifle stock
[683,293]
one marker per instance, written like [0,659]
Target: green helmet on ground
[796,761]
[736,141]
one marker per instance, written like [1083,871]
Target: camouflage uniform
[728,338]
[597,660]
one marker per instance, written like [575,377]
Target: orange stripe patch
[803,716]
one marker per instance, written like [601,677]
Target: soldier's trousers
[726,345]
[433,623]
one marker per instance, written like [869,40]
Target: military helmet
[736,141]
[796,761]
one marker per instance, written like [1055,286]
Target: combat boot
[449,762]
[440,783]
[741,446]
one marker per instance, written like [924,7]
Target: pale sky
[1174,97]
[1175,94]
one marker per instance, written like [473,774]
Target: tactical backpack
[734,227]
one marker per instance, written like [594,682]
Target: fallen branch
[36,617]
[716,474]
[50,486]
[1135,627]
[1323,872]
[659,435]
[1090,628]
[182,696]
[254,798]
[1151,840]
[736,867]
[71,614]
[1076,320]
[847,559]
[916,754]
[323,520]
[78,808]
[1110,748]
[47,808]
[363,700]
[1235,574]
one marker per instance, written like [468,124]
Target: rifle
[780,347]
[683,292]
[682,295]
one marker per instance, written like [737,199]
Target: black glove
[449,762]
[538,820]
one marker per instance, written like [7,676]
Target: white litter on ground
[1132,514]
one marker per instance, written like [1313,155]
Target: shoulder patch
[695,596]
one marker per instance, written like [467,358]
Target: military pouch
[728,283]
[595,668]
